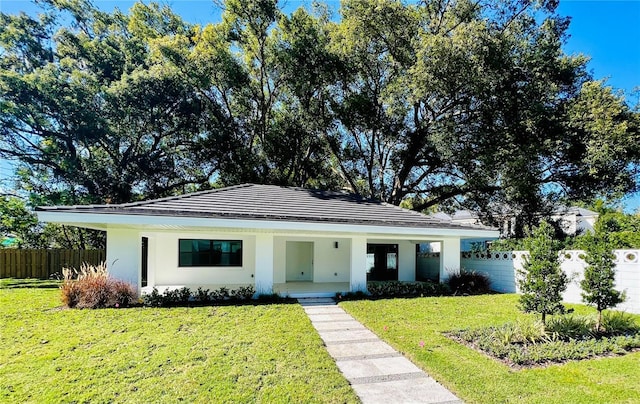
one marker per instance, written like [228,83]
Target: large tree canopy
[433,103]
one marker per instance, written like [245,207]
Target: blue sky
[607,31]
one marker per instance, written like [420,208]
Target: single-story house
[292,241]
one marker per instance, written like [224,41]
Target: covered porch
[321,266]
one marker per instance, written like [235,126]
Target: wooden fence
[18,263]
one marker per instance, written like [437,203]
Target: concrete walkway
[376,371]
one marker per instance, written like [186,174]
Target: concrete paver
[360,350]
[338,325]
[346,335]
[421,390]
[376,367]
[323,310]
[376,371]
[330,317]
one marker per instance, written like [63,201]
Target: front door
[145,262]
[382,262]
[299,261]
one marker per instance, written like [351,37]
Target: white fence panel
[502,269]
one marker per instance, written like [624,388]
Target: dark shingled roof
[270,202]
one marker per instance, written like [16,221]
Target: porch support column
[358,264]
[264,264]
[123,255]
[449,257]
[407,261]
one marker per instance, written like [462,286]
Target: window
[210,253]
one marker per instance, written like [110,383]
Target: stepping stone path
[376,371]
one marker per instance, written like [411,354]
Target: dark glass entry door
[382,262]
[145,262]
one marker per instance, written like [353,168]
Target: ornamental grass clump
[91,287]
[572,327]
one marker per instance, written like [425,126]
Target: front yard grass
[268,353]
[416,328]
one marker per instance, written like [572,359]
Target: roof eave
[103,221]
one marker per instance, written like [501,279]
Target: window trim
[211,241]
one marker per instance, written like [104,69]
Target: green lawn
[476,378]
[267,353]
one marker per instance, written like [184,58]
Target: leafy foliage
[16,218]
[542,280]
[186,297]
[622,229]
[618,323]
[572,327]
[435,102]
[93,115]
[392,289]
[465,282]
[406,289]
[563,338]
[598,284]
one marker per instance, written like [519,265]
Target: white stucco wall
[499,266]
[123,255]
[330,264]
[164,247]
[263,260]
[502,269]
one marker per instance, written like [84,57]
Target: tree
[452,103]
[598,284]
[473,103]
[18,220]
[88,110]
[622,229]
[542,280]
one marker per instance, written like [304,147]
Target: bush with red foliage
[93,288]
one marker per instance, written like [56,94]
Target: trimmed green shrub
[542,280]
[220,294]
[273,298]
[243,293]
[598,284]
[357,295]
[202,295]
[466,282]
[390,289]
[153,299]
[185,297]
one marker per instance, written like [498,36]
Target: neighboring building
[292,241]
[575,220]
[572,220]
